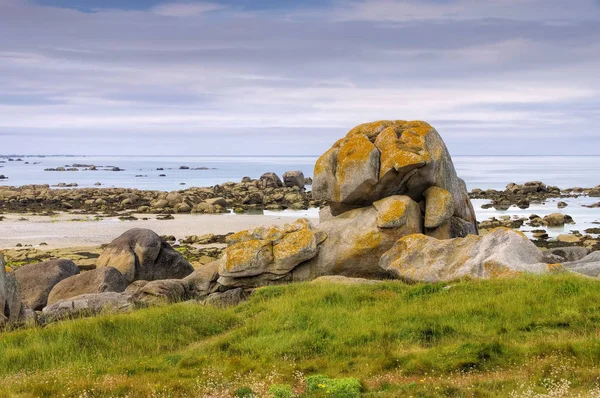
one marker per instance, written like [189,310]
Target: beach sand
[68,230]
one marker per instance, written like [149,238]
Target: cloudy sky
[290,77]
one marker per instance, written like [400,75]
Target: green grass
[472,338]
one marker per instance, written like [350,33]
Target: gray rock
[161,291]
[228,298]
[90,304]
[565,254]
[589,265]
[105,279]
[294,179]
[140,254]
[502,252]
[270,180]
[203,280]
[37,280]
[358,238]
[10,300]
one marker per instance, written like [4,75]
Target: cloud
[208,73]
[185,9]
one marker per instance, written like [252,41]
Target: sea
[180,172]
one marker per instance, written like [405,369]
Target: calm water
[478,171]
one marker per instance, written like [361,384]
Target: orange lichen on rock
[392,211]
[357,165]
[250,257]
[439,207]
[494,269]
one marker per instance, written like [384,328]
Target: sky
[281,77]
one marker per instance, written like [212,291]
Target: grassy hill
[521,336]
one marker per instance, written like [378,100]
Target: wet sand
[68,230]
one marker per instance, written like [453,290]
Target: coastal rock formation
[140,254]
[502,252]
[10,299]
[385,158]
[105,279]
[356,239]
[256,257]
[37,280]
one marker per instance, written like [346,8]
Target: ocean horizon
[143,171]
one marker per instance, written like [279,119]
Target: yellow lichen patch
[357,163]
[252,254]
[439,207]
[273,234]
[371,130]
[241,236]
[365,243]
[297,225]
[325,163]
[294,243]
[556,268]
[494,269]
[392,211]
[420,127]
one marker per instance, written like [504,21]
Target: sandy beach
[68,230]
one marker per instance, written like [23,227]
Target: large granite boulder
[386,158]
[358,238]
[502,252]
[10,299]
[266,254]
[105,279]
[37,280]
[90,304]
[140,254]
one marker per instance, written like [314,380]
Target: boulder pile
[383,181]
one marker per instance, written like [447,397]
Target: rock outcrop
[10,299]
[266,254]
[90,304]
[502,252]
[386,158]
[37,280]
[140,254]
[294,179]
[105,279]
[356,239]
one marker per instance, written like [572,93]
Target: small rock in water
[561,205]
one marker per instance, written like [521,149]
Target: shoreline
[69,230]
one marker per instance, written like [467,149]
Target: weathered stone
[140,254]
[203,280]
[37,280]
[90,304]
[503,252]
[344,280]
[567,254]
[268,252]
[355,241]
[105,279]
[161,291]
[228,298]
[10,299]
[270,180]
[385,158]
[439,207]
[294,179]
[589,265]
